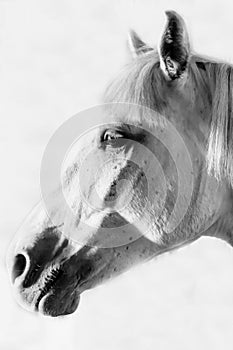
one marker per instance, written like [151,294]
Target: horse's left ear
[174,49]
[136,45]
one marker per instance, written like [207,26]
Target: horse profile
[167,103]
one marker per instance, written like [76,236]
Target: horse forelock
[135,86]
[142,83]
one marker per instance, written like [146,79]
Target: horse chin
[59,303]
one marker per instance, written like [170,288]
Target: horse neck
[223,226]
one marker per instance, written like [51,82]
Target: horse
[154,174]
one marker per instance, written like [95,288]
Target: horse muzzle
[42,276]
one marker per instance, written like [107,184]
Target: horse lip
[39,305]
[51,280]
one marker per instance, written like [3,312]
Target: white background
[55,59]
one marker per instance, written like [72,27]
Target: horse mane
[142,83]
[220,143]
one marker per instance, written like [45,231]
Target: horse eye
[111,135]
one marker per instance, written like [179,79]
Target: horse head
[152,174]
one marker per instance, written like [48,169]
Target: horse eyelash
[122,135]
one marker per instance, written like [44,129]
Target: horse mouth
[58,296]
[49,285]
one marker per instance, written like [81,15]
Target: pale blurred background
[56,57]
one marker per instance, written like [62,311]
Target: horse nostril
[19,266]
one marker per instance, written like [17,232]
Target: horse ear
[136,45]
[174,49]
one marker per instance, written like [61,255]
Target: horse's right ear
[136,45]
[174,48]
